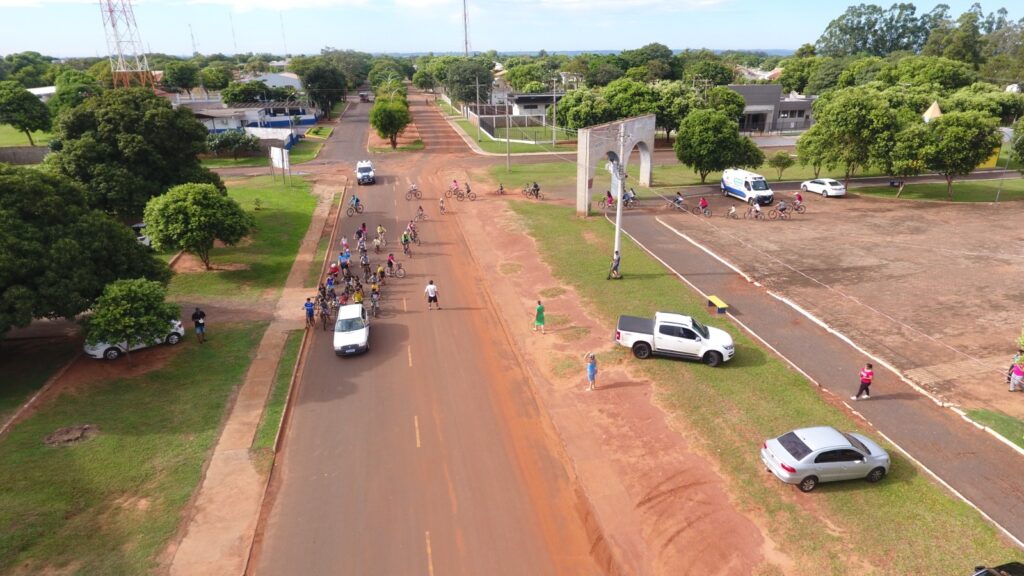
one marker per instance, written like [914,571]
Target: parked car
[364,172]
[827,187]
[1010,569]
[351,330]
[677,335]
[809,456]
[140,234]
[108,351]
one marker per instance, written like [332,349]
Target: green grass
[110,504]
[320,132]
[963,191]
[447,108]
[536,133]
[302,151]
[9,136]
[339,108]
[414,146]
[1007,426]
[264,259]
[904,525]
[267,430]
[27,365]
[498,146]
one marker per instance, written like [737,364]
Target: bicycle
[325,318]
[680,206]
[776,214]
[353,210]
[460,195]
[753,214]
[698,211]
[420,216]
[452,192]
[375,306]
[605,205]
[405,249]
[398,271]
[413,192]
[800,208]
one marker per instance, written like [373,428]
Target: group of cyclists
[754,210]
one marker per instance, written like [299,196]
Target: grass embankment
[320,132]
[302,151]
[109,505]
[446,108]
[262,261]
[963,191]
[414,146]
[267,430]
[26,365]
[498,146]
[322,245]
[10,136]
[1007,426]
[339,108]
[904,525]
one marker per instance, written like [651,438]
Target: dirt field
[927,286]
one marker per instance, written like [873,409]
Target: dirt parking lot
[931,287]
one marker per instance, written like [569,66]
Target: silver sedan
[808,456]
[827,187]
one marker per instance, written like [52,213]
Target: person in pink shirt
[1016,376]
[867,375]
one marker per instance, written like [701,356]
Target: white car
[110,351]
[351,330]
[365,173]
[827,187]
[809,456]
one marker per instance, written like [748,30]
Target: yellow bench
[718,304]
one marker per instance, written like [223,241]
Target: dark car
[1008,569]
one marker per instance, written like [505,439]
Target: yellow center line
[430,556]
[416,423]
[410,356]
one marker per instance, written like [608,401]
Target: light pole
[618,172]
[1002,176]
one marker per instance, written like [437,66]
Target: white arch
[620,137]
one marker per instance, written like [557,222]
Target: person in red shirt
[867,374]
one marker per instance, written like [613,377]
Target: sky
[75,27]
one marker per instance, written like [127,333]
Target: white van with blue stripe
[747,186]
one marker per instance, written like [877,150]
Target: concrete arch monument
[620,137]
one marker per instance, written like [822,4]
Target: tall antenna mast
[127,58]
[465,25]
[195,49]
[234,42]
[283,39]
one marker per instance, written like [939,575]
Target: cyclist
[361,245]
[455,185]
[678,200]
[364,261]
[441,203]
[756,209]
[413,188]
[536,188]
[798,198]
[608,199]
[357,296]
[406,239]
[354,202]
[411,229]
[628,197]
[467,188]
[325,312]
[374,300]
[419,213]
[308,306]
[501,188]
[380,273]
[782,207]
[374,285]
[391,264]
[334,269]
[703,204]
[381,231]
[732,212]
[376,245]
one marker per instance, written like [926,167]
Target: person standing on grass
[431,292]
[591,361]
[1016,376]
[538,321]
[199,319]
[614,272]
[1016,358]
[867,375]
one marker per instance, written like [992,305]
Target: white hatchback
[827,187]
[109,351]
[351,330]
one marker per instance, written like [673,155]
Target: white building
[533,104]
[44,93]
[279,80]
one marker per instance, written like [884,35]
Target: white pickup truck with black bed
[669,334]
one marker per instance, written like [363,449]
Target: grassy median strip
[734,408]
[267,430]
[260,263]
[1009,427]
[302,151]
[963,191]
[109,504]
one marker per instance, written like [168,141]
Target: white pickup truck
[674,335]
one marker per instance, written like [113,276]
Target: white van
[747,186]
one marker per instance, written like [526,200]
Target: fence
[23,154]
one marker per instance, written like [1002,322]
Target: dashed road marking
[430,555]
[416,423]
[410,355]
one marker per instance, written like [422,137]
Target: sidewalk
[971,463]
[225,510]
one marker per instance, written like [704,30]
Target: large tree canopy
[389,117]
[56,254]
[191,217]
[127,146]
[871,29]
[958,142]
[131,311]
[709,141]
[854,123]
[22,109]
[322,80]
[465,75]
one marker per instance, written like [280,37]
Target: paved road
[426,455]
[984,470]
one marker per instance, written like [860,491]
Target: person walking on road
[538,320]
[614,272]
[591,362]
[1017,376]
[867,375]
[199,319]
[431,292]
[1016,358]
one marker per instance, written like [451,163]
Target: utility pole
[508,145]
[554,111]
[618,172]
[477,109]
[1013,142]
[465,26]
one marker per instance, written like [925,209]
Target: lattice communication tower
[127,56]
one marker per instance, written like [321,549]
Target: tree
[216,77]
[519,76]
[22,109]
[796,73]
[853,123]
[234,142]
[919,70]
[860,71]
[870,29]
[182,75]
[56,254]
[780,161]
[825,75]
[322,81]
[534,88]
[673,104]
[718,73]
[904,160]
[584,107]
[73,87]
[709,141]
[726,100]
[354,65]
[253,91]
[1017,146]
[600,73]
[629,98]
[133,311]
[805,51]
[464,77]
[191,217]
[424,80]
[812,148]
[389,119]
[958,142]
[126,146]
[28,68]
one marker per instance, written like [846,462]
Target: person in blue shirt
[308,306]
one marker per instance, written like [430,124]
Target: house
[255,115]
[279,80]
[44,93]
[533,104]
[500,88]
[279,64]
[767,110]
[571,80]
